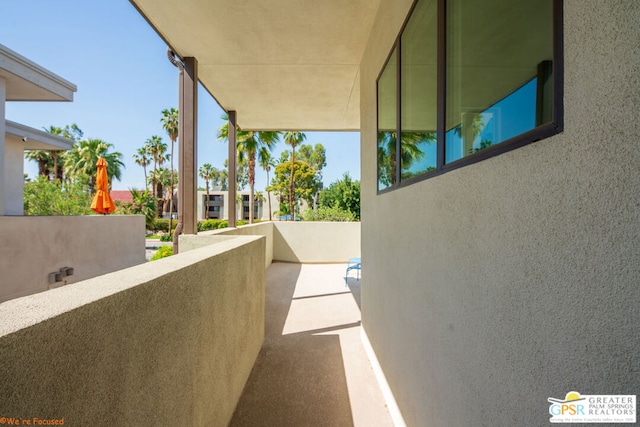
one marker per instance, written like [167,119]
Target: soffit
[34,139]
[27,81]
[281,64]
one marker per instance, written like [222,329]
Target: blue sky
[124,81]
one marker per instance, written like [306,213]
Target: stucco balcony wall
[170,342]
[92,245]
[300,242]
[190,241]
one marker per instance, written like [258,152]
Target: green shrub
[209,224]
[160,224]
[162,252]
[166,238]
[42,197]
[241,222]
[324,213]
[223,224]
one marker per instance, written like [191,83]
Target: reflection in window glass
[387,123]
[495,85]
[419,47]
[496,78]
[509,117]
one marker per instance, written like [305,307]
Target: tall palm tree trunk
[146,182]
[268,196]
[160,199]
[171,193]
[252,181]
[206,208]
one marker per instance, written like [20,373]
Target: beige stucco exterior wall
[14,179]
[520,279]
[170,342]
[32,247]
[261,229]
[3,128]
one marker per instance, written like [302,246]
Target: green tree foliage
[315,155]
[306,181]
[170,125]
[220,178]
[343,194]
[80,161]
[293,139]
[205,172]
[142,158]
[162,177]
[162,252]
[43,198]
[249,145]
[157,150]
[242,174]
[266,163]
[326,213]
[51,163]
[143,204]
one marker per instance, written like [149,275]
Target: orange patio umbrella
[102,202]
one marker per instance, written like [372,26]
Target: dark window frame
[554,127]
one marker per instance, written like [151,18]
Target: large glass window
[387,123]
[418,83]
[493,54]
[481,79]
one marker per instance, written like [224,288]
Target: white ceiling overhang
[34,139]
[281,64]
[27,81]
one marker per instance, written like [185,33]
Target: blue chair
[353,264]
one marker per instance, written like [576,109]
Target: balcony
[220,334]
[313,368]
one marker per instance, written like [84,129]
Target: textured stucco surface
[304,242]
[322,242]
[3,128]
[14,178]
[170,342]
[261,229]
[519,280]
[93,245]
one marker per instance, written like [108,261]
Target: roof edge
[27,133]
[31,66]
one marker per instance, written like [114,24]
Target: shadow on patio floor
[312,369]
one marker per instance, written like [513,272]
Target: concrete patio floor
[313,369]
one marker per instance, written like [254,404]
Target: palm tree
[248,143]
[141,159]
[219,177]
[157,149]
[170,124]
[43,159]
[58,170]
[72,132]
[410,152]
[266,163]
[166,177]
[206,173]
[293,139]
[144,204]
[82,158]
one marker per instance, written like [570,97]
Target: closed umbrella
[102,202]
